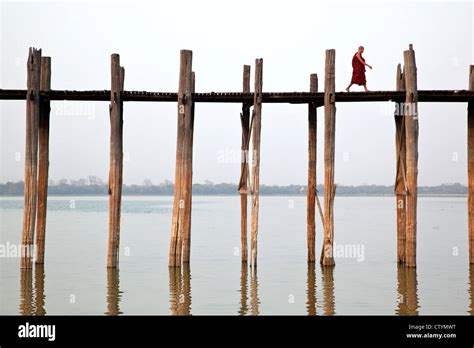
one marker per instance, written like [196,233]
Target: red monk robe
[358,72]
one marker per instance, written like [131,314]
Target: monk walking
[358,70]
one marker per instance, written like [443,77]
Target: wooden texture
[43,160]
[407,287]
[183,160]
[411,129]
[116,160]
[31,157]
[312,155]
[470,167]
[256,130]
[327,258]
[244,166]
[189,179]
[400,177]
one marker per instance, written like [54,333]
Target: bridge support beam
[116,160]
[244,173]
[43,160]
[256,130]
[470,166]
[400,178]
[327,258]
[411,130]
[312,156]
[181,223]
[31,157]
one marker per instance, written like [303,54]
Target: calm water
[366,279]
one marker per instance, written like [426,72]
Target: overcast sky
[290,36]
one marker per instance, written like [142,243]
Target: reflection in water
[407,291]
[254,300]
[39,290]
[26,291]
[471,289]
[243,289]
[114,294]
[311,289]
[180,290]
[328,290]
[32,299]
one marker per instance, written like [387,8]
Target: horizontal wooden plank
[239,97]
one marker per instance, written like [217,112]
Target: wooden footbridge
[406,97]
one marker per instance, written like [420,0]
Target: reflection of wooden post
[328,291]
[181,181]
[311,290]
[256,130]
[39,290]
[243,289]
[470,166]
[43,160]
[329,155]
[113,292]
[254,300]
[400,182]
[407,291]
[411,129]
[312,155]
[471,289]
[244,173]
[189,180]
[31,156]
[116,160]
[26,291]
[180,290]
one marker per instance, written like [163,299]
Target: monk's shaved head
[361,48]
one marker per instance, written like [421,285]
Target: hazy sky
[290,36]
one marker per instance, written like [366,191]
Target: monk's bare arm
[360,59]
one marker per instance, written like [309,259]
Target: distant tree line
[96,186]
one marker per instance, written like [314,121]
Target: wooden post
[189,179]
[43,160]
[31,156]
[329,155]
[256,130]
[470,166]
[400,178]
[411,129]
[116,160]
[181,188]
[244,172]
[312,155]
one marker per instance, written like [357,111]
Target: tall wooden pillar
[400,178]
[327,258]
[182,203]
[43,160]
[470,166]
[116,160]
[411,129]
[312,155]
[31,156]
[189,179]
[244,167]
[256,130]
